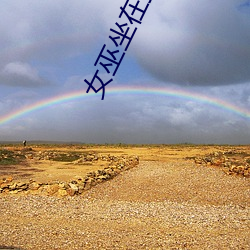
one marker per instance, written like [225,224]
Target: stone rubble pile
[76,186]
[10,155]
[49,155]
[75,157]
[233,163]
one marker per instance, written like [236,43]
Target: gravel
[171,205]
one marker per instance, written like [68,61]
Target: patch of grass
[8,157]
[8,161]
[6,152]
[66,157]
[237,154]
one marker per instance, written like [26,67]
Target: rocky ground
[166,202]
[113,166]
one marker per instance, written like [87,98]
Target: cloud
[51,29]
[195,43]
[20,74]
[48,32]
[134,119]
[183,42]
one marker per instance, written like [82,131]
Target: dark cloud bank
[197,43]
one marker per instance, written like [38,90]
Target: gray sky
[48,48]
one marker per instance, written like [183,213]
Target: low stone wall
[74,187]
[232,163]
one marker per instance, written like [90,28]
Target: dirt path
[178,181]
[158,205]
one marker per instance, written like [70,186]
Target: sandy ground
[167,202]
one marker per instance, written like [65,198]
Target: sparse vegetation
[167,201]
[8,157]
[65,157]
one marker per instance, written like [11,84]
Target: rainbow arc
[129,91]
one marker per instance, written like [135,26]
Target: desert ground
[102,197]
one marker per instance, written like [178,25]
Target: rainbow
[129,91]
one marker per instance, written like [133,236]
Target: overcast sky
[48,48]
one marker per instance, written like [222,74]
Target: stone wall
[232,163]
[77,186]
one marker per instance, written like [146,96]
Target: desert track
[158,205]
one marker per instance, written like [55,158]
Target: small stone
[34,186]
[70,191]
[9,179]
[102,177]
[62,185]
[74,187]
[80,188]
[52,189]
[20,184]
[14,192]
[4,185]
[62,192]
[13,186]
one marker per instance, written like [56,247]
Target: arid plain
[124,197]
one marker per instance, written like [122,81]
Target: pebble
[148,207]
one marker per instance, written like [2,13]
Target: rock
[62,185]
[22,185]
[4,185]
[246,173]
[232,162]
[26,149]
[13,186]
[216,154]
[240,169]
[91,174]
[34,186]
[80,188]
[52,189]
[102,177]
[198,160]
[208,159]
[228,164]
[74,187]
[89,183]
[15,191]
[90,157]
[78,184]
[29,156]
[70,192]
[62,192]
[9,179]
[79,178]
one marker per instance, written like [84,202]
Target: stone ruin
[77,186]
[232,162]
